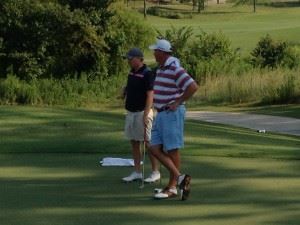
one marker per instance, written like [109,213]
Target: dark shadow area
[61,130]
[276,110]
[238,142]
[284,4]
[195,12]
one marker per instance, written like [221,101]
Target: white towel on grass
[110,161]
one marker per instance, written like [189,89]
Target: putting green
[63,189]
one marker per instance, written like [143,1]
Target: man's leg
[155,171]
[136,154]
[175,157]
[166,160]
[154,161]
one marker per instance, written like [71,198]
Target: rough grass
[266,87]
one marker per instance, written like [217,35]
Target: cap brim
[153,47]
[127,57]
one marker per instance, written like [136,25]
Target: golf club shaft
[144,158]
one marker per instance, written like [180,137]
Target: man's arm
[149,102]
[189,92]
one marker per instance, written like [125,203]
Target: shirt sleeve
[149,80]
[183,79]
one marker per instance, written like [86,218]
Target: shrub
[210,54]
[126,31]
[292,57]
[67,91]
[208,46]
[271,53]
[28,93]
[205,54]
[9,89]
[41,39]
[180,39]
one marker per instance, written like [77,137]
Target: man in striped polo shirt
[172,87]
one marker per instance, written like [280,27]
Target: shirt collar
[171,60]
[140,70]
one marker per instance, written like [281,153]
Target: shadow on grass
[283,4]
[195,12]
[276,110]
[25,129]
[215,139]
[72,189]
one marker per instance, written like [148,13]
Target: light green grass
[243,27]
[59,130]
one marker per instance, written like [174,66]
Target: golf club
[160,174]
[144,157]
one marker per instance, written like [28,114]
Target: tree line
[59,38]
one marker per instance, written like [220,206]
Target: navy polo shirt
[138,83]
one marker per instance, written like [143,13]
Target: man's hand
[145,119]
[173,106]
[189,92]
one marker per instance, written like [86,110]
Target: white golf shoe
[166,193]
[153,177]
[133,176]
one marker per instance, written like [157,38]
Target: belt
[164,108]
[133,111]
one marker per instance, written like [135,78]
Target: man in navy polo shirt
[138,103]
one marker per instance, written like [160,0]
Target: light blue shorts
[167,129]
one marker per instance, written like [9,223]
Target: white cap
[162,45]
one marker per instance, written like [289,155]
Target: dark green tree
[66,38]
[43,39]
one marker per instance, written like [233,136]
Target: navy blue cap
[134,52]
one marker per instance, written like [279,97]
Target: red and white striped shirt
[170,83]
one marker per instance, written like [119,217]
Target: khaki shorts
[134,126]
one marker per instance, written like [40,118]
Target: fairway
[50,173]
[71,189]
[243,27]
